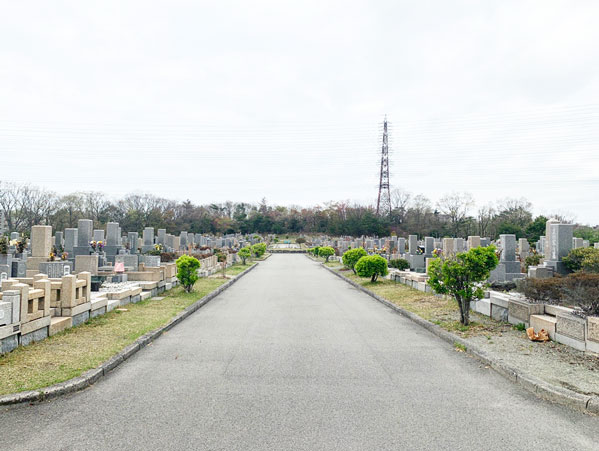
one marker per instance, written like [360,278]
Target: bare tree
[485,217]
[400,201]
[514,211]
[455,207]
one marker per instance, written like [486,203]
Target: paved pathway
[293,358]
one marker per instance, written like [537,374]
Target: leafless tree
[455,207]
[485,217]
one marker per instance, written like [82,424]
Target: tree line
[23,206]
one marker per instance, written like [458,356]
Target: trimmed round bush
[371,266]
[259,249]
[244,253]
[326,252]
[187,271]
[351,257]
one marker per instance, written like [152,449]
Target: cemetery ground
[292,357]
[78,349]
[555,363]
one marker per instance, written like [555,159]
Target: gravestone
[148,237]
[413,244]
[548,238]
[70,240]
[429,246]
[560,244]
[473,241]
[41,241]
[84,237]
[508,253]
[113,245]
[161,237]
[508,268]
[523,248]
[58,240]
[577,243]
[183,239]
[448,249]
[132,238]
[98,235]
[541,245]
[112,234]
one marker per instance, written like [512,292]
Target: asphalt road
[293,358]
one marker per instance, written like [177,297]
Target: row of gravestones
[107,245]
[512,251]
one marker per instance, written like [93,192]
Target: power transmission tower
[383,204]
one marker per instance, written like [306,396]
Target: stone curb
[559,395]
[91,376]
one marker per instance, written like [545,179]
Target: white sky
[219,100]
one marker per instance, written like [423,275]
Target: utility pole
[383,204]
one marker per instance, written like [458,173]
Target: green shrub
[259,249]
[462,276]
[326,252]
[300,240]
[400,263]
[583,259]
[187,271]
[532,260]
[351,257]
[371,266]
[314,251]
[244,253]
[3,245]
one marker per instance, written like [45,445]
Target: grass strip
[441,311]
[70,353]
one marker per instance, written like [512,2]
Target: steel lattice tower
[383,204]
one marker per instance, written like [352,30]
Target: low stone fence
[34,308]
[560,322]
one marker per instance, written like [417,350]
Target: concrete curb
[91,376]
[559,395]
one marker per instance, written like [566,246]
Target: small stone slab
[571,326]
[593,328]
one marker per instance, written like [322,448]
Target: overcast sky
[220,100]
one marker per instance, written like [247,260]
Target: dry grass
[76,350]
[441,311]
